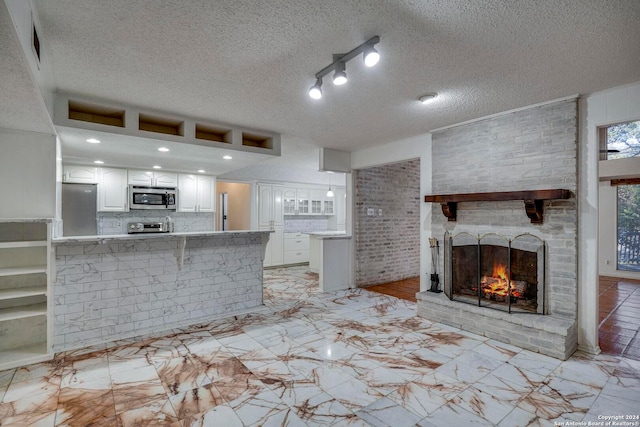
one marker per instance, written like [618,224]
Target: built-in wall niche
[255,140]
[94,113]
[213,133]
[159,124]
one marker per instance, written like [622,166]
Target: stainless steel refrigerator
[79,203]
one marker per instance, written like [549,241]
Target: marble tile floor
[350,358]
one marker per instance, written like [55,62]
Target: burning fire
[499,284]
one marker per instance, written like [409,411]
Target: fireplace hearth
[496,272]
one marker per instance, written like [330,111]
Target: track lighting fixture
[316,90]
[340,75]
[369,54]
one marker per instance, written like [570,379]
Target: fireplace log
[533,201]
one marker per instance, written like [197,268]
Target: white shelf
[23,311]
[27,291]
[23,244]
[24,355]
[16,271]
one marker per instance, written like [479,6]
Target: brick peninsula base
[113,287]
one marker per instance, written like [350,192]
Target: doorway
[235,206]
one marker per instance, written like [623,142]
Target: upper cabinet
[153,179]
[317,197]
[80,174]
[112,190]
[196,193]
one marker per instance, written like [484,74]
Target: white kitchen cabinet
[25,254]
[328,204]
[296,201]
[303,197]
[112,190]
[296,248]
[289,201]
[152,178]
[80,174]
[196,193]
[270,217]
[317,199]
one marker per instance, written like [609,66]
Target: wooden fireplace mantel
[533,201]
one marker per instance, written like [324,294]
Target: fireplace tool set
[435,258]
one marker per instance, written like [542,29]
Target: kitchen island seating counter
[111,287]
[138,236]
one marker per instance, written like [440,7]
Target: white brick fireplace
[530,149]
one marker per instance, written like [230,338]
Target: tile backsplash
[303,223]
[116,222]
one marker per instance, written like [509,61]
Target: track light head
[339,76]
[315,91]
[370,55]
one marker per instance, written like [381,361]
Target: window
[628,256]
[620,141]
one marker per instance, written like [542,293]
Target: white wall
[406,149]
[599,109]
[27,174]
[22,12]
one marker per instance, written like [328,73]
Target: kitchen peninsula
[110,287]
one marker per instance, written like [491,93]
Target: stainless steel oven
[153,197]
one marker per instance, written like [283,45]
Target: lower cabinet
[296,248]
[273,253]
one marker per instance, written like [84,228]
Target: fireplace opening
[496,272]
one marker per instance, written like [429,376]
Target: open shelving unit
[25,254]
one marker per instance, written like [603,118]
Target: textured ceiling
[251,62]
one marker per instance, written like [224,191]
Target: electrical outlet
[379,212]
[371,212]
[608,262]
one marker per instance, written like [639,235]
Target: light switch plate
[371,212]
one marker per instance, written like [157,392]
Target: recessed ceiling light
[163,149]
[227,157]
[99,162]
[425,99]
[93,141]
[200,170]
[157,167]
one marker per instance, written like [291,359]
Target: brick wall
[387,245]
[118,289]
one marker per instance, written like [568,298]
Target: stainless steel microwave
[153,197]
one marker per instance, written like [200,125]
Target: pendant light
[329,193]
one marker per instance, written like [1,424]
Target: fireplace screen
[496,272]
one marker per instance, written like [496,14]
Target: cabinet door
[165,179]
[277,201]
[289,201]
[112,190]
[144,178]
[328,206]
[277,246]
[265,206]
[206,194]
[187,193]
[80,174]
[317,197]
[304,201]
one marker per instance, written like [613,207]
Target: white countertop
[328,234]
[146,236]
